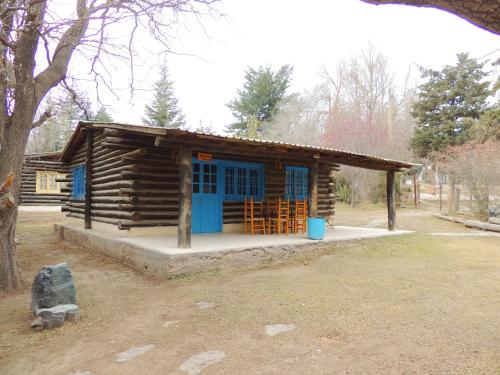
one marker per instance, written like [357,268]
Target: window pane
[206,168]
[206,188]
[229,181]
[254,181]
[242,179]
[196,188]
[43,181]
[196,167]
[53,183]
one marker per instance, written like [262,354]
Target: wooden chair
[254,217]
[300,216]
[271,206]
[280,222]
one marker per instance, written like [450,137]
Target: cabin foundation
[160,257]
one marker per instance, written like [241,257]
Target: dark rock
[53,285]
[52,319]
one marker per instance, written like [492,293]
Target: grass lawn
[415,304]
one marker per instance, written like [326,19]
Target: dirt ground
[412,304]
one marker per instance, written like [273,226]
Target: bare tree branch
[43,117]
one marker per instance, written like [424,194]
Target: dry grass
[415,304]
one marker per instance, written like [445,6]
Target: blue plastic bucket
[316,228]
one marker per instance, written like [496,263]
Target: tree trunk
[451,195]
[457,199]
[14,134]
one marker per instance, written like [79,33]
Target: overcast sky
[305,34]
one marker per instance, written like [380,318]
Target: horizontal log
[44,162]
[126,224]
[482,225]
[136,185]
[494,220]
[50,202]
[163,177]
[150,192]
[232,220]
[130,141]
[107,213]
[453,219]
[109,192]
[41,196]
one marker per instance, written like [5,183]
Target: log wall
[28,194]
[136,184]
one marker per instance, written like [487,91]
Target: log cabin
[145,180]
[43,180]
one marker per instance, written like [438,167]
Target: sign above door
[204,156]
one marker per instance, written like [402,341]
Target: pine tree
[164,112]
[259,100]
[102,115]
[447,105]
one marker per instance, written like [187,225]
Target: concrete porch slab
[214,242]
[159,256]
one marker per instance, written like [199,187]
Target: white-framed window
[46,182]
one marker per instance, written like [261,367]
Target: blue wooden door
[207,197]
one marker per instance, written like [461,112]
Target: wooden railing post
[185,198]
[391,209]
[88,178]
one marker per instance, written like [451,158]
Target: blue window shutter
[78,188]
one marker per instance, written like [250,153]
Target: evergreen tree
[447,105]
[164,111]
[102,115]
[259,100]
[487,128]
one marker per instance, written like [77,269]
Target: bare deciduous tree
[477,166]
[36,47]
[368,113]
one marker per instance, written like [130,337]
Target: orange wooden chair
[254,217]
[300,216]
[280,222]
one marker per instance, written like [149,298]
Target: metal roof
[338,156]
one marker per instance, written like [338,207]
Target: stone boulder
[53,285]
[53,297]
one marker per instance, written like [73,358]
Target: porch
[160,256]
[220,242]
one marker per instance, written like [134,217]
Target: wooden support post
[331,197]
[185,198]
[391,209]
[88,178]
[313,190]
[415,190]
